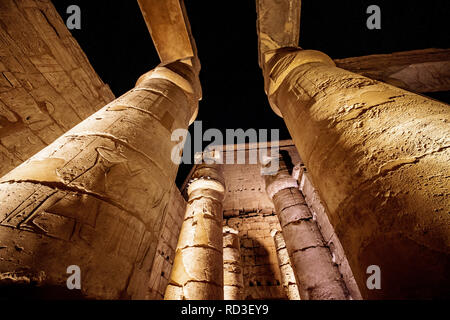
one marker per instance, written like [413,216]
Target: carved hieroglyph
[96,196]
[379,157]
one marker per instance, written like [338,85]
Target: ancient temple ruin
[88,179]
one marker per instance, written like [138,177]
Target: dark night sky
[116,40]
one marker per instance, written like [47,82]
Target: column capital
[280,62]
[183,76]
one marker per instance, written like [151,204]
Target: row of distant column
[207,260]
[378,156]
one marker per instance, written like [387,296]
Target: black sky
[116,40]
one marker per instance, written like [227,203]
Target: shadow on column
[261,278]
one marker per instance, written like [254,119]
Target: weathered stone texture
[318,277]
[319,213]
[47,84]
[262,279]
[167,24]
[278,25]
[378,156]
[288,279]
[248,209]
[96,197]
[417,70]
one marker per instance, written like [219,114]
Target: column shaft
[318,277]
[233,282]
[288,279]
[379,157]
[197,273]
[95,197]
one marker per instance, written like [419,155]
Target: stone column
[95,197]
[288,280]
[318,277]
[197,272]
[233,279]
[379,157]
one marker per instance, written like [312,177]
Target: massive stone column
[197,272]
[379,156]
[288,279]
[233,279]
[95,197]
[318,277]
